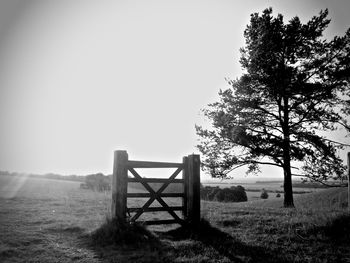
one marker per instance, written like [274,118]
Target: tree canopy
[294,89]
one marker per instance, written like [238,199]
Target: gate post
[119,185]
[193,191]
[185,187]
[348,174]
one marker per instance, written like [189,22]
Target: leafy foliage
[97,182]
[232,194]
[264,194]
[295,88]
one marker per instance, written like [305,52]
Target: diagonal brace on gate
[190,197]
[155,195]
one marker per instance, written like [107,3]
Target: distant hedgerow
[232,194]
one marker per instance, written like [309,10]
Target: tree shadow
[115,241]
[224,244]
[335,232]
[151,251]
[200,243]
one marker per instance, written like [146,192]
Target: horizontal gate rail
[155,209]
[144,164]
[153,195]
[155,180]
[144,195]
[161,222]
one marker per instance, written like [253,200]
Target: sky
[81,79]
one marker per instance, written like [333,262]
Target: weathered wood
[172,177]
[190,208]
[349,181]
[143,182]
[119,185]
[152,193]
[144,195]
[155,195]
[155,209]
[155,180]
[171,212]
[161,222]
[185,180]
[145,206]
[193,197]
[145,164]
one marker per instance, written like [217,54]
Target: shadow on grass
[114,232]
[118,242]
[224,244]
[115,241]
[334,232]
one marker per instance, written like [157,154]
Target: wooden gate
[190,168]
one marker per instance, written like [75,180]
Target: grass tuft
[116,232]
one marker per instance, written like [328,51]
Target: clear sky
[80,79]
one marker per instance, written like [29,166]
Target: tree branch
[340,143]
[325,64]
[269,113]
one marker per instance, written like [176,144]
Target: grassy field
[253,189]
[45,220]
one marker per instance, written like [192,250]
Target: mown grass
[55,221]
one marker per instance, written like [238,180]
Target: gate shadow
[223,243]
[170,245]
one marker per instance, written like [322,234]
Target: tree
[264,194]
[97,182]
[295,87]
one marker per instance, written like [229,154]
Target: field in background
[253,189]
[44,220]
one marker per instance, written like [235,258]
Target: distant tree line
[232,194]
[278,191]
[97,182]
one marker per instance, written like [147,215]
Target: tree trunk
[288,187]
